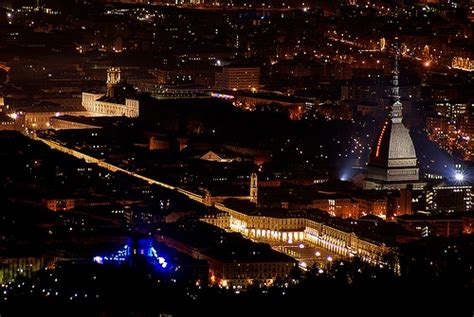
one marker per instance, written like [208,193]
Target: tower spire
[395,72]
[397,108]
[393,163]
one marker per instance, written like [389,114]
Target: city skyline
[188,158]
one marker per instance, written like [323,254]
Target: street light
[459,176]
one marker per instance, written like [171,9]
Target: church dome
[393,143]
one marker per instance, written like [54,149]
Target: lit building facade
[449,198]
[432,225]
[99,105]
[437,125]
[299,229]
[220,220]
[344,207]
[7,123]
[452,110]
[14,267]
[355,206]
[238,78]
[466,124]
[38,119]
[372,206]
[244,272]
[59,204]
[210,199]
[113,103]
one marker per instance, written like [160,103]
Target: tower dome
[392,161]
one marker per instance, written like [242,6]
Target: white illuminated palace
[116,102]
[298,229]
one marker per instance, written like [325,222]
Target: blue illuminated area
[145,248]
[158,260]
[120,256]
[347,173]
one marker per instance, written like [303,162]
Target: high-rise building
[393,162]
[449,198]
[238,78]
[433,225]
[466,124]
[452,110]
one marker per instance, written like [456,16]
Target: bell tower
[253,188]
[113,79]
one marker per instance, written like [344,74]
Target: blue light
[120,256]
[146,249]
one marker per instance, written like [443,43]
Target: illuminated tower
[393,163]
[253,188]
[383,44]
[113,79]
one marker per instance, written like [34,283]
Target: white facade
[95,106]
